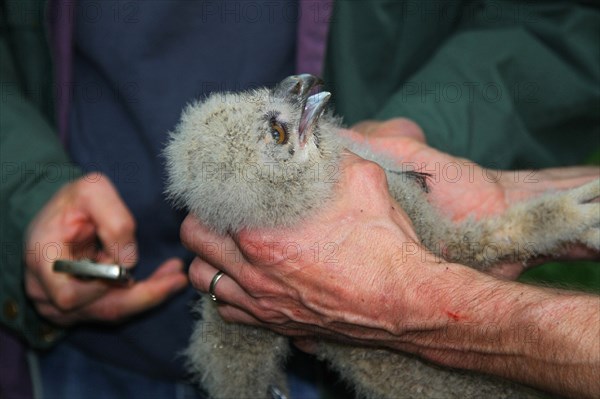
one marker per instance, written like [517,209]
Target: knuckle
[196,238]
[88,183]
[226,315]
[94,177]
[124,225]
[258,247]
[109,314]
[186,231]
[118,228]
[265,311]
[368,171]
[128,223]
[30,286]
[403,125]
[195,275]
[253,283]
[66,300]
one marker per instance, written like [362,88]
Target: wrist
[542,337]
[453,310]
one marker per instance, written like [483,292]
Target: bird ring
[213,284]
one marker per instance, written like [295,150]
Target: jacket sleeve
[515,86]
[33,167]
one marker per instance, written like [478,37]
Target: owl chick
[266,158]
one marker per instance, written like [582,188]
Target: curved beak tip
[313,109]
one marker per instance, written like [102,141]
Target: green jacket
[34,164]
[507,84]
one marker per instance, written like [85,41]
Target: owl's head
[265,155]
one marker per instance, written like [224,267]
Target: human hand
[343,274]
[341,271]
[460,188]
[254,273]
[68,227]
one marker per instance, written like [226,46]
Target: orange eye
[278,133]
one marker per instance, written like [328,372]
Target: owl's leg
[542,226]
[236,361]
[382,374]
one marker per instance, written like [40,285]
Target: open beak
[297,88]
[313,109]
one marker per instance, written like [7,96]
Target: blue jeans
[68,373]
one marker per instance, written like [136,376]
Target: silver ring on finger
[213,285]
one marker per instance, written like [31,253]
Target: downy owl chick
[265,158]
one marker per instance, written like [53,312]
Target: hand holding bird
[271,159]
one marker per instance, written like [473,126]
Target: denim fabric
[136,66]
[68,373]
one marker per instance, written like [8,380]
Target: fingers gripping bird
[252,159]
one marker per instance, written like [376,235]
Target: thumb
[168,279]
[399,127]
[395,127]
[114,222]
[119,304]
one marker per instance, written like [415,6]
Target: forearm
[380,288]
[541,337]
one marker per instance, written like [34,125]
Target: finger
[69,293]
[115,223]
[60,240]
[55,315]
[34,288]
[392,128]
[201,274]
[353,135]
[121,303]
[232,314]
[523,184]
[307,345]
[508,271]
[365,127]
[571,172]
[218,250]
[169,266]
[226,289]
[60,297]
[233,300]
[399,127]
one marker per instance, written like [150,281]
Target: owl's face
[277,125]
[277,134]
[289,128]
[234,156]
[279,128]
[270,125]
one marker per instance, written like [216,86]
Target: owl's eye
[278,132]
